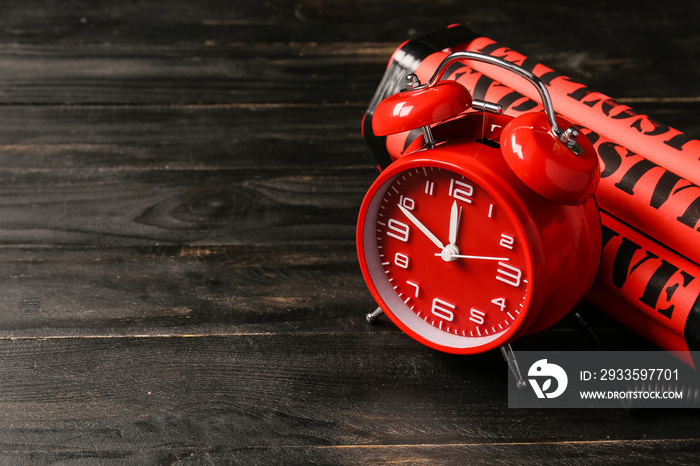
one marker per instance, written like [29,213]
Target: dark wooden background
[179,185]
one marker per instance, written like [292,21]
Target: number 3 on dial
[509,274]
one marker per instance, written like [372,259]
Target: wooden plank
[123,207]
[261,398]
[96,74]
[670,451]
[89,139]
[361,21]
[136,53]
[307,73]
[182,290]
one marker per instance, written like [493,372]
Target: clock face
[446,259]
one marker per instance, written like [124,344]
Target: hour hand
[421,227]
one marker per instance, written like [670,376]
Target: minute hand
[421,227]
[488,258]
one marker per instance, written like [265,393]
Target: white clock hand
[455,216]
[421,227]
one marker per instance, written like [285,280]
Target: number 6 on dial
[443,309]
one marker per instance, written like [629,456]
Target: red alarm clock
[486,228]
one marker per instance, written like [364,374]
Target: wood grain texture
[149,399]
[179,187]
[138,139]
[190,74]
[176,207]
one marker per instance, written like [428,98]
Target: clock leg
[508,355]
[372,316]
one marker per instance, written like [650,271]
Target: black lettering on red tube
[631,178]
[691,215]
[622,265]
[610,156]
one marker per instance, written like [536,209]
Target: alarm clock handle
[568,136]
